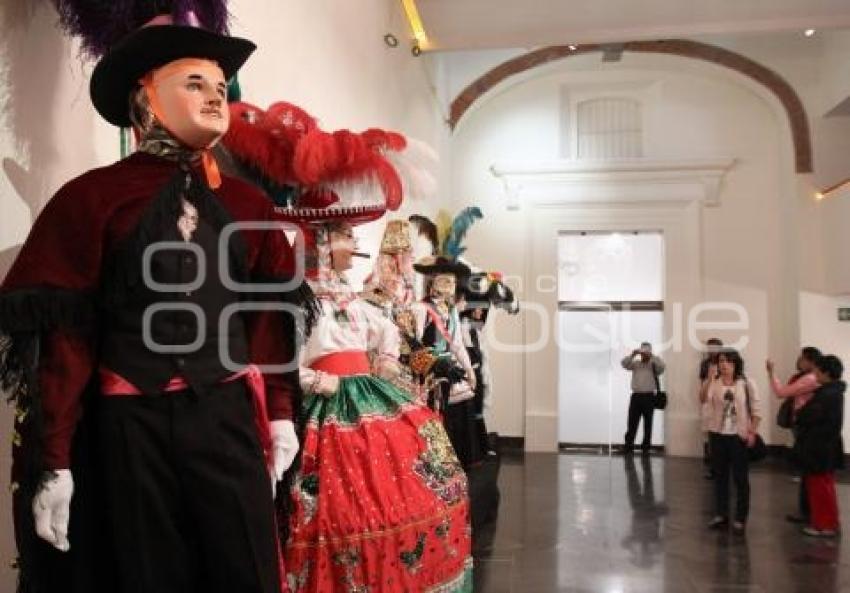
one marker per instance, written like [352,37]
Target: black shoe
[628,450]
[797,519]
[718,522]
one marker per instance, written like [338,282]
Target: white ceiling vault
[477,24]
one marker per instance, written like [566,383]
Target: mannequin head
[189,99]
[389,274]
[343,244]
[443,287]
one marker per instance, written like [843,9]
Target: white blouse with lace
[358,327]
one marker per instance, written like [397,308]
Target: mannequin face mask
[189,97]
[343,245]
[443,287]
[388,273]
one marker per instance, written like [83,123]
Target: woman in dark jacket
[819,450]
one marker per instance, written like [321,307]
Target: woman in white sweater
[733,413]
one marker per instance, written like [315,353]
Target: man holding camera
[645,368]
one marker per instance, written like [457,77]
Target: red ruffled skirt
[380,500]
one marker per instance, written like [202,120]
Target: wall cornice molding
[619,181]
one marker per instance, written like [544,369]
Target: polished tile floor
[598,524]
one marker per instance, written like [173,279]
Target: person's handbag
[785,415]
[659,402]
[758,451]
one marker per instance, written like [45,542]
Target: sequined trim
[378,534]
[438,466]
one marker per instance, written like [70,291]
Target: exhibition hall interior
[424,296]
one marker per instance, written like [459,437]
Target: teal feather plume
[453,244]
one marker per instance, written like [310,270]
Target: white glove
[52,508]
[284,449]
[471,379]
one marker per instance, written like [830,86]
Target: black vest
[189,322]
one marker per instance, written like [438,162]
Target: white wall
[835,69]
[693,110]
[817,69]
[832,216]
[326,55]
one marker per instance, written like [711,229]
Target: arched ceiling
[784,92]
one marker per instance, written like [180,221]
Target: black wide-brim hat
[118,72]
[431,266]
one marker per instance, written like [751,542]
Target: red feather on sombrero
[339,175]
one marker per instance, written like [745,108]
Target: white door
[610,293]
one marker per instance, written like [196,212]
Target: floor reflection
[590,523]
[644,540]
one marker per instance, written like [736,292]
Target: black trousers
[641,405]
[459,421]
[729,457]
[478,407]
[190,501]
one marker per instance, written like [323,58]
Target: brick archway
[783,91]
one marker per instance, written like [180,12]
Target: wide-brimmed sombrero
[436,264]
[314,177]
[446,242]
[118,72]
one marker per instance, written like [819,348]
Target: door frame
[679,222]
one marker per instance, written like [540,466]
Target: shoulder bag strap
[655,374]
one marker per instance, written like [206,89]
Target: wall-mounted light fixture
[809,32]
[420,37]
[832,189]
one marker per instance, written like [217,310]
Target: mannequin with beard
[145,436]
[390,289]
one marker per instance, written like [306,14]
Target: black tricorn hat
[433,265]
[118,73]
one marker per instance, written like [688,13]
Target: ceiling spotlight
[391,40]
[809,32]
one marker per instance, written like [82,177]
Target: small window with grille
[609,128]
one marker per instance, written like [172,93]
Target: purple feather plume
[102,23]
